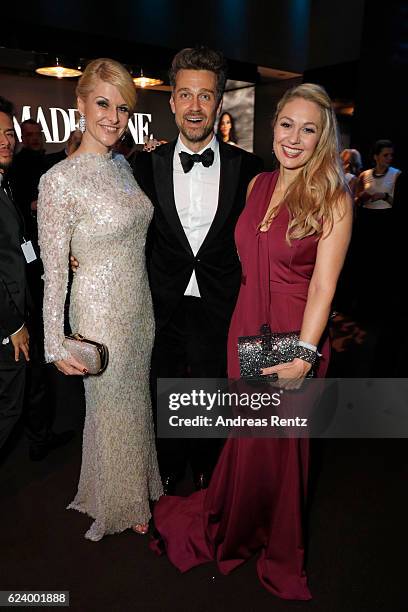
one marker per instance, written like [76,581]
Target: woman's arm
[362,196]
[56,217]
[331,253]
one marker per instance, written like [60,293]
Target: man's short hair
[6,107]
[200,58]
[30,122]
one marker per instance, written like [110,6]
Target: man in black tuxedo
[14,337]
[198,187]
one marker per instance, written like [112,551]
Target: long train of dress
[255,501]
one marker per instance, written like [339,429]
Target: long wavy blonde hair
[320,186]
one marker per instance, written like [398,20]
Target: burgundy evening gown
[254,503]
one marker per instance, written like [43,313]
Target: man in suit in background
[71,146]
[28,167]
[198,187]
[14,337]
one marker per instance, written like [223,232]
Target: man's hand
[33,205]
[74,263]
[21,341]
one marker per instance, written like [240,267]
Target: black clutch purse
[266,350]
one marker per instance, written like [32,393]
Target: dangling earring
[82,123]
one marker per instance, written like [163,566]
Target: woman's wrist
[307,345]
[306,354]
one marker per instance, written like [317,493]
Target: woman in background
[375,232]
[91,205]
[226,129]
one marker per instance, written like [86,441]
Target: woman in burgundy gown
[254,503]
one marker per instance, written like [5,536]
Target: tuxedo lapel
[164,184]
[5,201]
[229,174]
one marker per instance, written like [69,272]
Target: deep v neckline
[280,207]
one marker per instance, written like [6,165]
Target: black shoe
[201,481]
[169,484]
[38,452]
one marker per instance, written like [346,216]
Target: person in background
[343,301]
[352,166]
[90,203]
[18,339]
[375,230]
[28,167]
[71,146]
[14,336]
[226,129]
[376,186]
[292,238]
[40,390]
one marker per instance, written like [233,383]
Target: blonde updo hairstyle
[112,72]
[320,185]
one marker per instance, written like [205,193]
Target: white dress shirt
[196,198]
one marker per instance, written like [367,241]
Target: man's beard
[195,135]
[5,165]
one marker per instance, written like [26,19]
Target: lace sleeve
[56,217]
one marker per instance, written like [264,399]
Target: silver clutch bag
[94,355]
[266,350]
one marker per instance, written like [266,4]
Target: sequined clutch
[94,355]
[266,350]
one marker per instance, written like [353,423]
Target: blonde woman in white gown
[90,205]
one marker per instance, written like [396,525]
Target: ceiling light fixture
[59,71]
[142,81]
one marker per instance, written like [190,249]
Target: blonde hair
[320,186]
[112,72]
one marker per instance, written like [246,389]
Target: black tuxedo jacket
[170,260]
[12,268]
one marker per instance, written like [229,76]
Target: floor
[356,526]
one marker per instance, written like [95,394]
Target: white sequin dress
[90,205]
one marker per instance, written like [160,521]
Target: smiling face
[296,133]
[195,106]
[107,116]
[7,141]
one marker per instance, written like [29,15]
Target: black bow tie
[188,161]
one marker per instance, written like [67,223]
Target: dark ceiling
[291,35]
